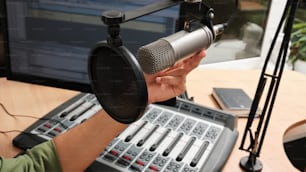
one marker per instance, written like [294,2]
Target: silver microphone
[164,52]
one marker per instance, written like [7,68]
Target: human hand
[170,82]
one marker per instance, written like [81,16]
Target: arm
[80,146]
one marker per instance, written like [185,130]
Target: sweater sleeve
[41,158]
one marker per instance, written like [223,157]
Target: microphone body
[164,52]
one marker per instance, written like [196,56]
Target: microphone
[164,52]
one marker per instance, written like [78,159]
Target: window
[247,39]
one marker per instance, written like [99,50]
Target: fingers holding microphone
[177,73]
[170,82]
[194,61]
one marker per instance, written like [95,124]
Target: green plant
[298,42]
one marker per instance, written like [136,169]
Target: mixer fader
[186,138]
[164,140]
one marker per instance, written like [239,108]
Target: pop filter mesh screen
[118,83]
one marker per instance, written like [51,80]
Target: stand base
[246,165]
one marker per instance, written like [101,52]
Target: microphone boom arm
[250,163]
[200,13]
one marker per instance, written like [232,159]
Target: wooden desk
[251,6]
[27,99]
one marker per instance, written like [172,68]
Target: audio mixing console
[187,138]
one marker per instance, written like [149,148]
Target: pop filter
[118,82]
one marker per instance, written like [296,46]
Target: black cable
[14,115]
[27,116]
[11,131]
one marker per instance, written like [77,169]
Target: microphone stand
[251,163]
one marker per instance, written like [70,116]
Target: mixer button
[141,163]
[42,129]
[173,167]
[109,157]
[135,168]
[187,125]
[212,134]
[154,168]
[159,162]
[163,118]
[153,114]
[128,158]
[122,162]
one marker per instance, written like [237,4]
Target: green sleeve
[41,158]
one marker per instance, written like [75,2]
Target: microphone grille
[156,56]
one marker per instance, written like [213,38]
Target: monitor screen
[48,41]
[2,64]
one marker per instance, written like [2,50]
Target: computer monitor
[2,63]
[48,41]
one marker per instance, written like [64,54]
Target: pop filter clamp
[251,163]
[115,75]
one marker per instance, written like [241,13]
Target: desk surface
[27,99]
